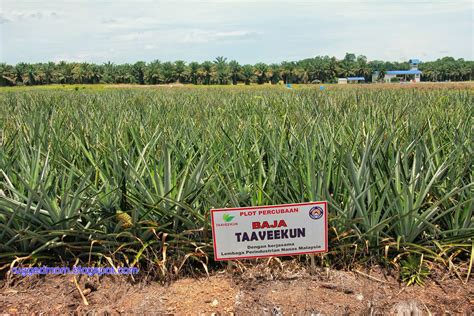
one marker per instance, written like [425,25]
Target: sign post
[269,231]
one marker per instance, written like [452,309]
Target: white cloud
[185,36]
[84,56]
[245,30]
[203,36]
[19,16]
[130,24]
[4,19]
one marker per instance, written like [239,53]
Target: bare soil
[260,290]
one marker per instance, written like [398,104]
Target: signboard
[269,231]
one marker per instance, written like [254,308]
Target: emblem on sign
[316,212]
[268,231]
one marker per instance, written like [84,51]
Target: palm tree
[78,74]
[48,69]
[64,72]
[124,74]
[169,72]
[222,71]
[180,70]
[95,73]
[288,71]
[26,74]
[139,72]
[261,72]
[206,72]
[274,73]
[7,75]
[193,70]
[109,73]
[235,70]
[362,68]
[39,74]
[306,68]
[153,72]
[247,73]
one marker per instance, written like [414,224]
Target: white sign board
[269,231]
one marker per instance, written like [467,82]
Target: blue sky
[248,31]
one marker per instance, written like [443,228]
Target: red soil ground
[260,290]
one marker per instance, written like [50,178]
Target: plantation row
[220,71]
[131,175]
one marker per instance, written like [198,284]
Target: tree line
[320,69]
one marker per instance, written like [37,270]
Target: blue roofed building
[350,80]
[355,79]
[412,75]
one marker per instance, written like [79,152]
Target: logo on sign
[227,218]
[269,231]
[316,212]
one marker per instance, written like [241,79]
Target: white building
[409,75]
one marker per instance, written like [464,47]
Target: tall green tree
[180,70]
[7,75]
[261,72]
[139,72]
[247,74]
[153,73]
[235,71]
[169,72]
[206,72]
[193,72]
[288,71]
[222,70]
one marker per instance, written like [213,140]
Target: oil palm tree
[235,71]
[180,70]
[153,72]
[222,71]
[274,73]
[7,75]
[206,72]
[169,72]
[247,73]
[193,72]
[261,70]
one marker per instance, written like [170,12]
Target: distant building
[408,75]
[355,79]
[350,80]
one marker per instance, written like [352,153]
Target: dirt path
[254,292]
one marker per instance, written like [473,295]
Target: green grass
[130,175]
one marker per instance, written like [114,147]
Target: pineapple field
[128,176]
